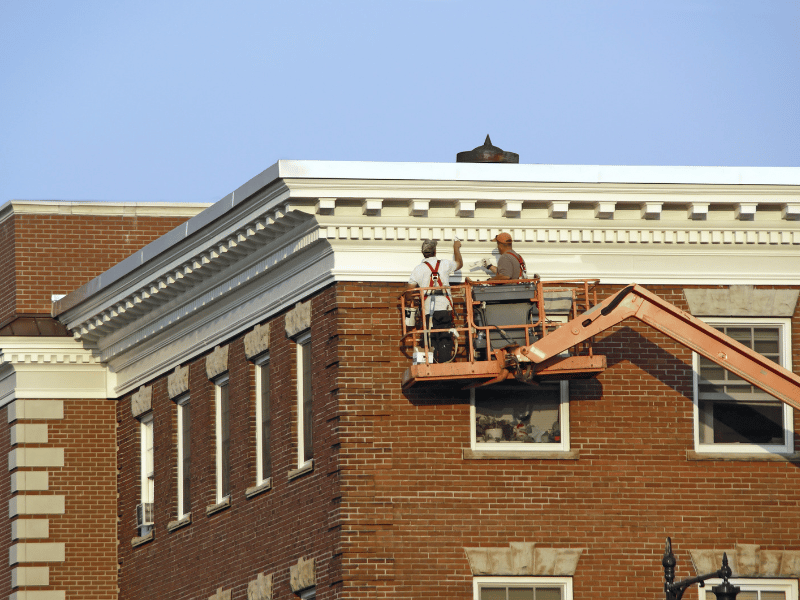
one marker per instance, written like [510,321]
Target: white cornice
[45,367]
[297,228]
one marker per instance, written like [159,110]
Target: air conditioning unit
[144,514]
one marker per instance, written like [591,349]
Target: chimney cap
[487,154]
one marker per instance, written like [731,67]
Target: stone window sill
[182,522]
[307,467]
[469,454]
[258,489]
[138,541]
[744,456]
[220,506]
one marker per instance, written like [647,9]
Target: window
[147,494]
[305,445]
[730,414]
[522,588]
[184,457]
[756,589]
[263,422]
[519,417]
[223,439]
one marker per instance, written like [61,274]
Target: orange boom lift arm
[635,301]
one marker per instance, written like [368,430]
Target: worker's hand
[457,244]
[485,263]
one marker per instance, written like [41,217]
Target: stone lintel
[257,341]
[741,301]
[524,558]
[260,588]
[217,362]
[178,381]
[298,320]
[142,401]
[303,575]
[749,560]
[220,594]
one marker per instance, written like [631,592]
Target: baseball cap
[428,246]
[503,238]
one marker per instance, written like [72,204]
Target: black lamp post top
[675,591]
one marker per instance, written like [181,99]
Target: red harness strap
[436,280]
[523,272]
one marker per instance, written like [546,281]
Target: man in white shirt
[435,272]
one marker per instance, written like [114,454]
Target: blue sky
[182,101]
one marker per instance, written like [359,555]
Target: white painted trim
[785,327]
[147,458]
[182,403]
[788,586]
[303,344]
[48,367]
[219,384]
[260,364]
[565,583]
[301,225]
[522,448]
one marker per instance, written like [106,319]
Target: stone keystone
[298,319]
[257,341]
[260,588]
[142,401]
[178,382]
[303,575]
[217,362]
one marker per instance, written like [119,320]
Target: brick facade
[392,503]
[265,533]
[46,254]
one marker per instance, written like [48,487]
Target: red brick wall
[88,526]
[56,254]
[265,533]
[392,503]
[412,503]
[88,483]
[7,269]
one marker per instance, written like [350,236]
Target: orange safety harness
[523,273]
[436,280]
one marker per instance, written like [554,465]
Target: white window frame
[182,406]
[562,446]
[565,583]
[221,382]
[303,341]
[784,326]
[146,464]
[261,364]
[788,586]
